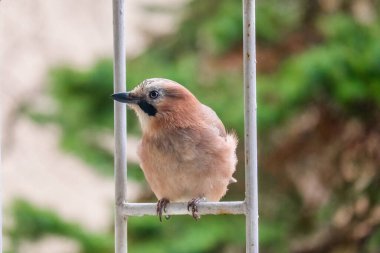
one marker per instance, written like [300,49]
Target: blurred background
[319,121]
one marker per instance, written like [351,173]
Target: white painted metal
[251,182]
[120,126]
[141,209]
[1,203]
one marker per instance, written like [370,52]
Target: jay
[185,152]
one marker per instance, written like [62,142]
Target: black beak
[126,97]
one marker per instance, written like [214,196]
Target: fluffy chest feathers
[171,148]
[189,162]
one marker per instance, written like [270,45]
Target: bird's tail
[233,180]
[232,142]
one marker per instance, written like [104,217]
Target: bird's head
[161,103]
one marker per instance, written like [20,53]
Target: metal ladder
[248,207]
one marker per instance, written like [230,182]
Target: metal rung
[180,208]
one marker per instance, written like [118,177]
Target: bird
[185,152]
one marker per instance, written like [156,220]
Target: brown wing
[212,119]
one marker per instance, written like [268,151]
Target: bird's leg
[161,205]
[193,204]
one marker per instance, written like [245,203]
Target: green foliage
[221,31]
[214,27]
[341,73]
[134,172]
[373,244]
[85,111]
[84,108]
[83,89]
[32,223]
[275,19]
[184,235]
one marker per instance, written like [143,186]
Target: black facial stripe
[147,108]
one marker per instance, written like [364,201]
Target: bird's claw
[161,206]
[193,205]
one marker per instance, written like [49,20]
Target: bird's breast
[169,150]
[188,162]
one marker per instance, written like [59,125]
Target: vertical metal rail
[120,126]
[1,201]
[250,124]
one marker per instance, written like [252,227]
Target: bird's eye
[153,94]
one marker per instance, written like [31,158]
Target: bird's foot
[161,206]
[193,205]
